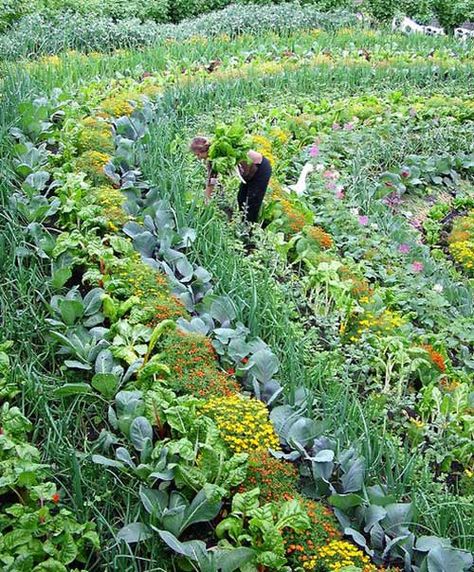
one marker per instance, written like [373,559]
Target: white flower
[355,211]
[319,167]
[438,288]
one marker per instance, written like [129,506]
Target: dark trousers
[250,196]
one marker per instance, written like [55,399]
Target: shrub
[38,34]
[243,423]
[12,10]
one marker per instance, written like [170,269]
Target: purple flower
[417,266]
[336,126]
[331,185]
[349,126]
[392,200]
[364,220]
[314,151]
[404,248]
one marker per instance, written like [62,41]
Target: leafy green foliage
[229,147]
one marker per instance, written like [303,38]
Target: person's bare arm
[211,183]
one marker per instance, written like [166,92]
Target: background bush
[34,27]
[39,34]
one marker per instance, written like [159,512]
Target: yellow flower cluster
[116,106]
[264,146]
[280,135]
[243,423]
[92,163]
[463,253]
[382,323]
[95,135]
[337,555]
[112,201]
[461,241]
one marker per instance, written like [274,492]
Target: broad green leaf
[50,565]
[60,277]
[201,509]
[135,532]
[154,501]
[448,559]
[105,383]
[353,479]
[140,432]
[231,560]
[71,310]
[345,501]
[101,460]
[72,389]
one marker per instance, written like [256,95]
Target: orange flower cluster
[206,382]
[302,547]
[275,478]
[192,361]
[295,220]
[171,308]
[435,357]
[320,236]
[361,288]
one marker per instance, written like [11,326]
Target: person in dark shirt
[254,178]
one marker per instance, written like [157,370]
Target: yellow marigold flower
[92,163]
[243,423]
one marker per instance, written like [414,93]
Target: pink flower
[336,126]
[349,126]
[364,220]
[313,151]
[331,185]
[417,266]
[333,175]
[339,194]
[404,248]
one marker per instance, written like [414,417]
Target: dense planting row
[164,428]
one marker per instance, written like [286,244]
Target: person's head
[200,147]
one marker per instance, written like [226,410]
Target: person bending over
[254,178]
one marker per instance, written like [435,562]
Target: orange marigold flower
[435,357]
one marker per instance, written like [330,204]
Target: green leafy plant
[229,147]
